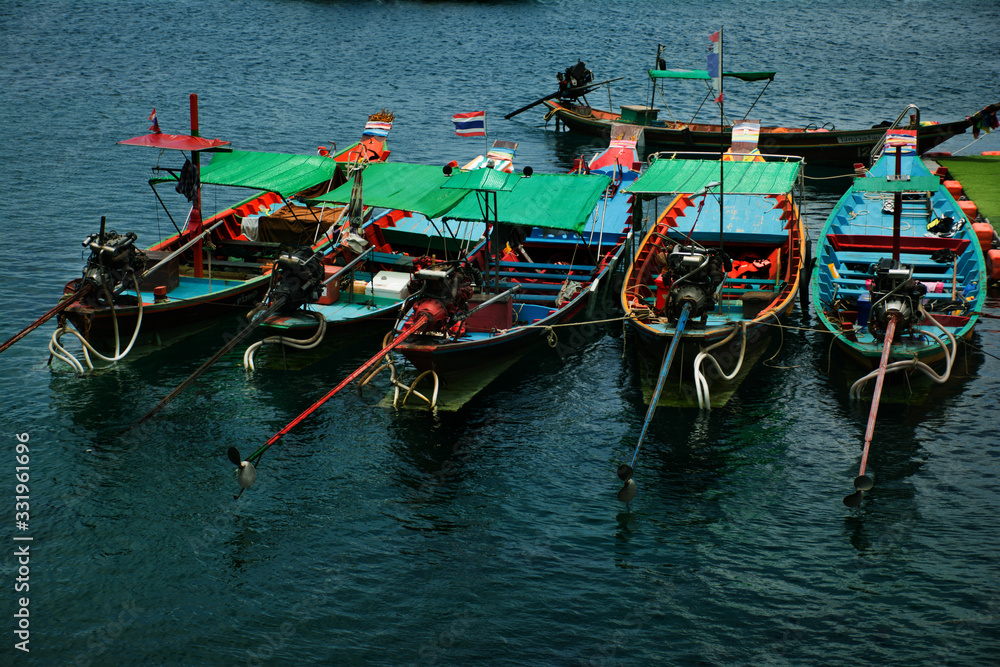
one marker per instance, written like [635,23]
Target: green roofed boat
[898,249]
[900,277]
[820,145]
[719,268]
[551,240]
[366,279]
[212,267]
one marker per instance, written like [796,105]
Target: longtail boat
[708,290]
[212,266]
[365,279]
[548,257]
[464,307]
[819,144]
[900,275]
[900,233]
[735,266]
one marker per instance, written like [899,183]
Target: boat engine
[300,278]
[894,291]
[445,291]
[573,80]
[691,276]
[111,262]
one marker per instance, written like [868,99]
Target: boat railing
[670,155]
[880,146]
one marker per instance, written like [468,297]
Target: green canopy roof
[282,173]
[686,176]
[486,180]
[558,201]
[542,200]
[409,187]
[703,74]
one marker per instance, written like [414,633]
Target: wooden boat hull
[767,245]
[857,236]
[819,147]
[432,353]
[543,267]
[97,324]
[654,342]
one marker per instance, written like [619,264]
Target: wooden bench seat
[882,244]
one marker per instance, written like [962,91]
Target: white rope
[294,343]
[60,352]
[915,363]
[701,382]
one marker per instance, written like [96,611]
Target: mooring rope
[827,178]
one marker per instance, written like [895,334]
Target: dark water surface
[491,535]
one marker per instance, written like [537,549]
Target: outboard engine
[894,291]
[112,260]
[691,276]
[574,78]
[445,292]
[300,278]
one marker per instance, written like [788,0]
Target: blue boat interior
[755,229]
[859,233]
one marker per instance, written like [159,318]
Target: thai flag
[715,62]
[375,128]
[155,127]
[470,124]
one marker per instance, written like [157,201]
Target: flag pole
[722,142]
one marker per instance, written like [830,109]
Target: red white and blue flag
[470,124]
[155,127]
[715,62]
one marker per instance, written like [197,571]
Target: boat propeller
[247,473]
[862,483]
[627,492]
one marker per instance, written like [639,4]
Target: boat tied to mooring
[900,276]
[470,307]
[821,144]
[365,281]
[211,267]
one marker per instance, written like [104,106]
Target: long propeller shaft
[661,380]
[215,357]
[625,471]
[61,306]
[890,330]
[863,482]
[415,327]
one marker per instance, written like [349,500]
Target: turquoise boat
[900,276]
[897,248]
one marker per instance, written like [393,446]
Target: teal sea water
[490,535]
